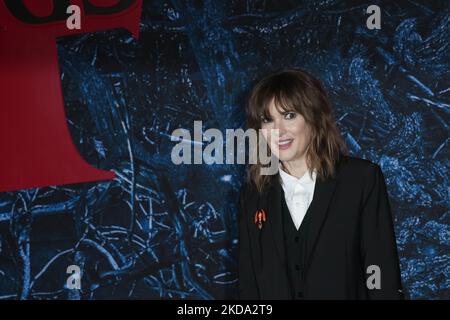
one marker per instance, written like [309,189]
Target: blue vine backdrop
[165,231]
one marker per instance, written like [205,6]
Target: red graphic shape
[36,147]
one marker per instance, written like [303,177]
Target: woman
[321,228]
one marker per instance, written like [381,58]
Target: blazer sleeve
[247,282]
[378,244]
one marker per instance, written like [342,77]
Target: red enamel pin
[260,217]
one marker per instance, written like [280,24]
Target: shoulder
[358,167]
[359,174]
[247,192]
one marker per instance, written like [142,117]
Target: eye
[290,115]
[265,119]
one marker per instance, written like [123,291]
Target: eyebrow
[262,116]
[284,112]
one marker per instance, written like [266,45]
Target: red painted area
[35,143]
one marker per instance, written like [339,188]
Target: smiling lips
[285,144]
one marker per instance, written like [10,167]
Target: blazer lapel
[274,214]
[318,210]
[270,200]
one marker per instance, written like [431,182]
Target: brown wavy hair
[296,90]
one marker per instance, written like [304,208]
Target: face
[294,135]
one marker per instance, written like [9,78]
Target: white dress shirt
[298,193]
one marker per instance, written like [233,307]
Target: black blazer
[350,229]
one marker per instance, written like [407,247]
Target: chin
[286,156]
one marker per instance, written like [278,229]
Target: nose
[279,124]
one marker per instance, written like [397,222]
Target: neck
[296,168]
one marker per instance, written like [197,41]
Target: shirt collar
[290,181]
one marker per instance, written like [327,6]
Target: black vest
[296,250]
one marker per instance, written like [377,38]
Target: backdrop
[160,230]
